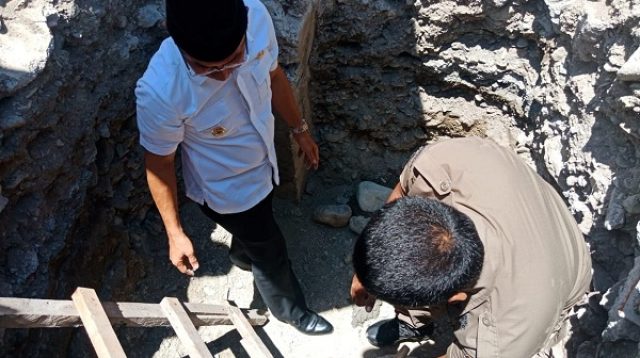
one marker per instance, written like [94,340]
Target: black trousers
[257,237]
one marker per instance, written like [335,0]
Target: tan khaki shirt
[536,262]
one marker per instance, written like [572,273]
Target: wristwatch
[301,128]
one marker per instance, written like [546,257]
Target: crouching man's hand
[360,296]
[182,255]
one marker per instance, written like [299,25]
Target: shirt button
[486,321]
[444,185]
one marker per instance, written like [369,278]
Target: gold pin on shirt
[218,131]
[260,54]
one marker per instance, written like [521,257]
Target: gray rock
[621,329]
[632,204]
[587,349]
[601,278]
[24,48]
[149,16]
[630,71]
[615,217]
[333,215]
[22,263]
[618,349]
[372,196]
[357,223]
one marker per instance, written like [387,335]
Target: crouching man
[475,241]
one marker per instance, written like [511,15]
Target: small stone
[522,43]
[148,16]
[12,121]
[632,204]
[372,196]
[332,215]
[358,223]
[615,218]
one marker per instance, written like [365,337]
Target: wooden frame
[98,318]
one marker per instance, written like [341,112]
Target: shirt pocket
[487,336]
[212,123]
[261,76]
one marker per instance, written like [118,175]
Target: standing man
[210,88]
[474,246]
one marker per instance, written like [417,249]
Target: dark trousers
[257,237]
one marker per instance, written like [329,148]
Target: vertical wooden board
[184,328]
[251,342]
[97,324]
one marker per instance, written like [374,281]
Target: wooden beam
[251,341]
[39,313]
[184,328]
[97,324]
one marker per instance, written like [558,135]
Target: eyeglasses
[208,70]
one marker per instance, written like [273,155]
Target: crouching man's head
[417,252]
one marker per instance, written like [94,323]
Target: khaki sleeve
[407,176]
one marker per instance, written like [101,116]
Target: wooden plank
[185,330]
[251,342]
[97,324]
[39,313]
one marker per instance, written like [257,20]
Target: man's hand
[182,255]
[360,296]
[308,148]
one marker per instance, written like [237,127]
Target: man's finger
[194,262]
[181,266]
[370,301]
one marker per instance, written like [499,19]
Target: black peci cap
[207,30]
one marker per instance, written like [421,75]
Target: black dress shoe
[393,331]
[311,323]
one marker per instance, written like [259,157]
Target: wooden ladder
[98,319]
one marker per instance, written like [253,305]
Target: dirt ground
[321,257]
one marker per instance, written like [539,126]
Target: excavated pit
[558,81]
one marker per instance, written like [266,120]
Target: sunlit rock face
[555,80]
[558,81]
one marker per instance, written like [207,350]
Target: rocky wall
[74,207]
[71,175]
[558,81]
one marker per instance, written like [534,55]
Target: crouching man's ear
[458,297]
